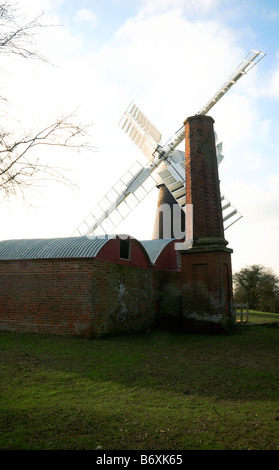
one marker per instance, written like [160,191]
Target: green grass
[148,392]
[259,317]
[263,317]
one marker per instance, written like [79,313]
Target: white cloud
[253,238]
[32,8]
[86,16]
[170,66]
[156,6]
[273,89]
[173,65]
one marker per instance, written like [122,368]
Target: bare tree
[17,34]
[20,166]
[19,169]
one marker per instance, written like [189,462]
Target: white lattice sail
[142,132]
[119,202]
[165,164]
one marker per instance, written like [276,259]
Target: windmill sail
[168,162]
[171,172]
[252,58]
[229,212]
[119,202]
[144,134]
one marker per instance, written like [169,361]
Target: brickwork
[50,296]
[206,284]
[86,297]
[206,275]
[202,188]
[124,299]
[111,294]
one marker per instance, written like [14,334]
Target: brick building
[96,287]
[78,286]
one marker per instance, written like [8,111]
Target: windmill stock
[165,164]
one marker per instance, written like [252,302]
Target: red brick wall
[202,180]
[48,296]
[124,299]
[83,297]
[206,275]
[206,284]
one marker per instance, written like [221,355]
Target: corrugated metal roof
[155,247]
[74,247]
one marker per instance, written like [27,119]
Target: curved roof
[71,247]
[155,247]
[74,247]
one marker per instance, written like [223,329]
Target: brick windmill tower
[186,180]
[206,266]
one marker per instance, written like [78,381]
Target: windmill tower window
[125,249]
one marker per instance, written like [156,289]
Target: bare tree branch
[21,167]
[17,33]
[18,171]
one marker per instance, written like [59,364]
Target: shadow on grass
[146,391]
[224,367]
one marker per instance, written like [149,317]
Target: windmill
[165,165]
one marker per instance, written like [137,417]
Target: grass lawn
[263,317]
[258,317]
[149,391]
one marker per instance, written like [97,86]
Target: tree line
[258,286]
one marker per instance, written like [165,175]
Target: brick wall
[124,299]
[206,285]
[83,297]
[48,296]
[206,275]
[97,297]
[202,180]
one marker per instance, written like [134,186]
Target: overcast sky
[169,57]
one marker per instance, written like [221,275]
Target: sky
[169,57]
